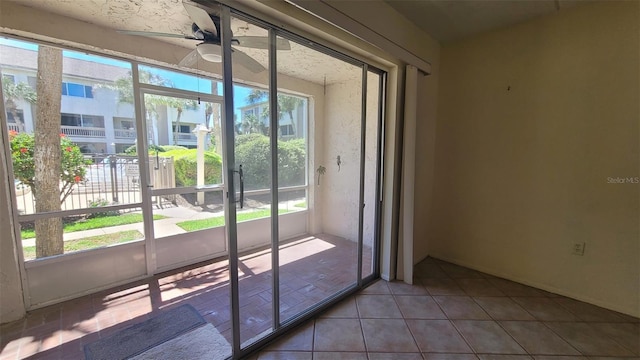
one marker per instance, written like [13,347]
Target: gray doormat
[203,343]
[141,337]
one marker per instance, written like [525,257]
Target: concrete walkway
[163,227]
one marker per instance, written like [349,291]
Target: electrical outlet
[578,248]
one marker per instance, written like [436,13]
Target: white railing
[185,136]
[124,134]
[82,131]
[14,127]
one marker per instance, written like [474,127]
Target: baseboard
[541,286]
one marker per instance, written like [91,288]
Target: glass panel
[317,266]
[182,135]
[75,90]
[85,180]
[171,79]
[180,213]
[370,173]
[253,153]
[82,232]
[80,182]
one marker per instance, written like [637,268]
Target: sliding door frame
[279,327]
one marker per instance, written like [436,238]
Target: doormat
[204,343]
[141,337]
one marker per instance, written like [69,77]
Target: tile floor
[450,313]
[454,313]
[312,268]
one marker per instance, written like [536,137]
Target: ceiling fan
[206,29]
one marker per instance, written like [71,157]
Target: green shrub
[133,149]
[72,163]
[100,203]
[186,167]
[253,152]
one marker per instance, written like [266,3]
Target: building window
[250,112]
[287,130]
[11,79]
[126,124]
[183,129]
[70,120]
[81,120]
[77,90]
[17,113]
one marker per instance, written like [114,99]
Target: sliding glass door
[302,141]
[266,164]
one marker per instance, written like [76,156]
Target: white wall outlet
[578,248]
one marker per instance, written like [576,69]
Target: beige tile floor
[454,313]
[450,313]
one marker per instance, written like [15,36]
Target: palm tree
[14,92]
[153,103]
[286,105]
[46,155]
[180,105]
[251,124]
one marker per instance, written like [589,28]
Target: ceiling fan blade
[247,61]
[190,59]
[261,42]
[155,34]
[201,18]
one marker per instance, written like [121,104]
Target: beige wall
[532,121]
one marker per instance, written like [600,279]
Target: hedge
[253,152]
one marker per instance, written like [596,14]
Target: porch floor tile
[450,313]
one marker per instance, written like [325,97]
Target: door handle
[241,186]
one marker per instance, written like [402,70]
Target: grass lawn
[91,242]
[193,225]
[301,205]
[96,223]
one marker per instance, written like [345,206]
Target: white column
[201,132]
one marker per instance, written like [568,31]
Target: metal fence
[108,180]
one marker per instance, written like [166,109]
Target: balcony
[124,134]
[13,127]
[184,138]
[79,131]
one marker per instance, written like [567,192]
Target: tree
[153,103]
[73,163]
[286,105]
[252,124]
[46,154]
[14,92]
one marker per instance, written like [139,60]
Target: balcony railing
[13,127]
[79,131]
[184,136]
[124,134]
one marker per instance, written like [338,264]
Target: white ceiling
[450,20]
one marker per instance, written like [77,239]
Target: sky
[179,80]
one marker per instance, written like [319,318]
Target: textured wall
[340,186]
